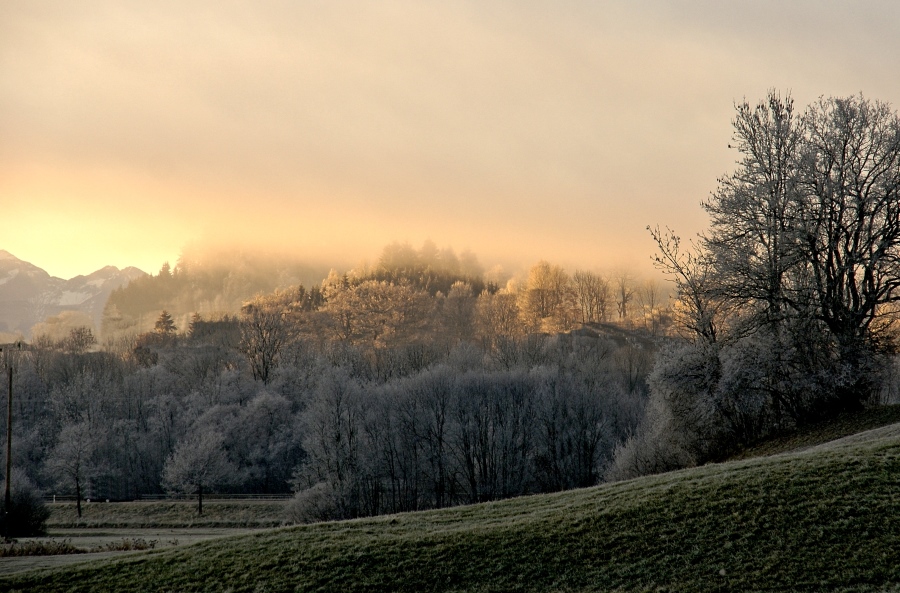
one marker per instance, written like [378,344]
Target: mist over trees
[411,383]
[203,282]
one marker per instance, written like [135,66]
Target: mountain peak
[28,294]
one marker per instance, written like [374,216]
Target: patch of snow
[68,298]
[9,276]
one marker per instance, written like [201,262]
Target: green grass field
[823,519]
[172,514]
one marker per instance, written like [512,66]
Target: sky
[520,130]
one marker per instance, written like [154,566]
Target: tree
[649,298]
[458,312]
[57,329]
[808,227]
[28,514]
[753,234]
[164,324]
[497,317]
[79,341]
[699,310]
[624,290]
[592,296]
[267,442]
[332,442]
[265,331]
[571,427]
[198,462]
[375,312]
[849,223]
[545,294]
[786,293]
[71,462]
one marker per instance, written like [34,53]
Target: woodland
[412,384]
[421,381]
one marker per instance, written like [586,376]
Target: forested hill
[213,285]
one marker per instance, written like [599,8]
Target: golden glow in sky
[519,130]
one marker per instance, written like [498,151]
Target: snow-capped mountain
[29,295]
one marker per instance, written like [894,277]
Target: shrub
[317,503]
[27,515]
[39,548]
[658,446]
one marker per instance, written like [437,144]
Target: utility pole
[7,497]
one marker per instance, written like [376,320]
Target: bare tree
[624,290]
[851,211]
[785,294]
[497,318]
[650,300]
[265,330]
[592,296]
[699,310]
[79,340]
[808,228]
[850,224]
[753,236]
[332,425]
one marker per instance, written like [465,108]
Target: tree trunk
[78,496]
[200,499]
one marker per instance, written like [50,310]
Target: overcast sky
[520,130]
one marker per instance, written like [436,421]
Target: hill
[825,518]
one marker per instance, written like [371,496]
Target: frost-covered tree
[753,233]
[79,340]
[198,462]
[786,293]
[545,294]
[808,226]
[332,424]
[458,312]
[72,462]
[375,312]
[849,224]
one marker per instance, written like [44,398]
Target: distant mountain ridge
[28,294]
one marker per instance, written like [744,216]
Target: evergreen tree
[165,325]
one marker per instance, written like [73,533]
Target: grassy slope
[823,519]
[824,432]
